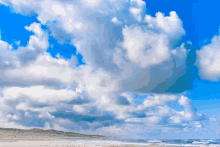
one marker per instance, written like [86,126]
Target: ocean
[166,143]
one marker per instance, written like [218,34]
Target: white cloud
[3,3]
[91,3]
[37,44]
[17,42]
[212,119]
[116,21]
[136,12]
[158,100]
[208,60]
[8,124]
[36,28]
[124,55]
[44,70]
[172,25]
[47,125]
[40,94]
[176,119]
[139,2]
[189,110]
[145,48]
[198,125]
[14,117]
[27,106]
[113,131]
[45,115]
[59,10]
[79,109]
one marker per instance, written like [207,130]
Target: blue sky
[104,66]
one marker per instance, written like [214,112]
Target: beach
[36,137]
[61,143]
[71,144]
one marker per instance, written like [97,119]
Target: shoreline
[89,143]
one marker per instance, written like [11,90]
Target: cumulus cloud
[208,60]
[145,48]
[126,53]
[169,24]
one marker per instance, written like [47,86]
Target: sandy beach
[70,144]
[43,143]
[11,137]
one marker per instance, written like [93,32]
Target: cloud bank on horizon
[127,53]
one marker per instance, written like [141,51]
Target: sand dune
[13,134]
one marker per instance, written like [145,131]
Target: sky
[124,68]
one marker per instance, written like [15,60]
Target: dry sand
[43,143]
[68,144]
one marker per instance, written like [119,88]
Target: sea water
[166,143]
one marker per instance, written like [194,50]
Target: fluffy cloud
[145,48]
[26,107]
[208,60]
[40,94]
[37,44]
[171,25]
[126,53]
